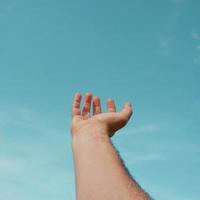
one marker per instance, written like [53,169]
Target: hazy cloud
[32,147]
[195,35]
[8,164]
[138,157]
[143,129]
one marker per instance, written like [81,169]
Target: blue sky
[146,52]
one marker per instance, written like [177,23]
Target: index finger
[76,104]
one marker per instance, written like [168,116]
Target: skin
[100,173]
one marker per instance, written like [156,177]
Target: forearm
[99,171]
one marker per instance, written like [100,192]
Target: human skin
[99,171]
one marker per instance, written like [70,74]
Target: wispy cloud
[143,129]
[177,1]
[166,41]
[8,164]
[195,35]
[165,45]
[17,115]
[197,59]
[148,128]
[8,7]
[138,157]
[198,47]
[32,147]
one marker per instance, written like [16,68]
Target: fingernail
[129,103]
[88,94]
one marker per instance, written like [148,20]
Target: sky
[146,52]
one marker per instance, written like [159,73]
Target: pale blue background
[146,52]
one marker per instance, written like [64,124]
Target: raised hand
[105,123]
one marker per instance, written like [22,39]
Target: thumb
[127,111]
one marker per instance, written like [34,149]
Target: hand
[106,123]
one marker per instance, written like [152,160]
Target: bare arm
[100,173]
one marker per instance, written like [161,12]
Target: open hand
[107,123]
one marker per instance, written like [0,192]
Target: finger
[76,104]
[96,105]
[111,105]
[126,111]
[87,104]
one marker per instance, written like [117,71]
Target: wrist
[90,136]
[90,130]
